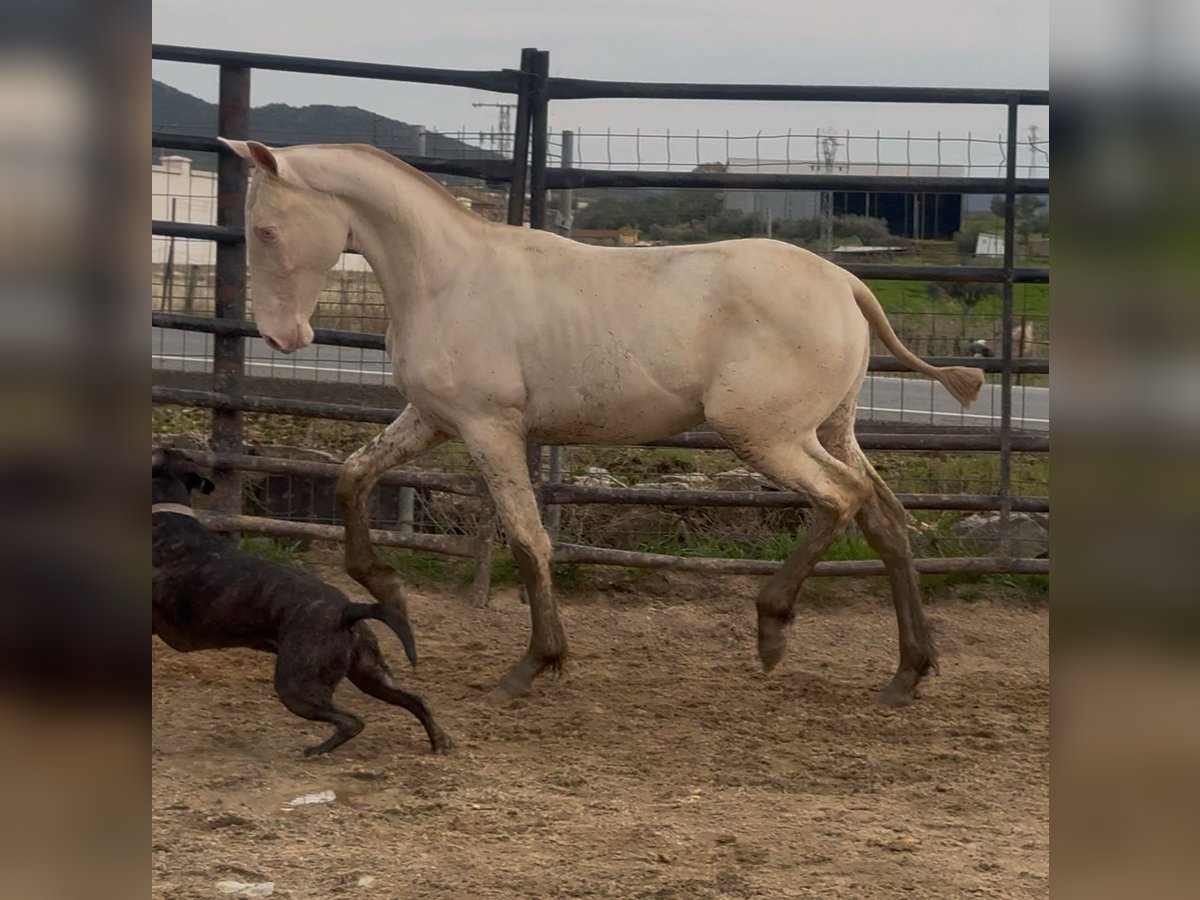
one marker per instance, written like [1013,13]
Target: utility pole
[503,133]
[566,198]
[828,145]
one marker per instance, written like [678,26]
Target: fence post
[539,146]
[565,216]
[233,121]
[1006,337]
[539,108]
[169,268]
[520,159]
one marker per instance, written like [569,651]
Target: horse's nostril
[272,343]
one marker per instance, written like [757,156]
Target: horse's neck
[413,238]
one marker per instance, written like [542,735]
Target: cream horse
[501,334]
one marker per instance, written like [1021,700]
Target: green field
[1032,300]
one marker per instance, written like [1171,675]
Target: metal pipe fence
[530,177]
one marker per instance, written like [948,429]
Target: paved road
[884,398]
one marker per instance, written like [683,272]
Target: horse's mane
[444,195]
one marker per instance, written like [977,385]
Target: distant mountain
[179,113]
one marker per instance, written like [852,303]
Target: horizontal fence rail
[455,545]
[469,486]
[1031,443]
[498,170]
[335,338]
[503,81]
[575,553]
[221,234]
[469,547]
[559,179]
[558,88]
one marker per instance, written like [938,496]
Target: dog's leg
[369,673]
[306,694]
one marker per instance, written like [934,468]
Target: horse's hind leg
[407,437]
[369,672]
[883,523]
[835,490]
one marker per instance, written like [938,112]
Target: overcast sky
[961,43]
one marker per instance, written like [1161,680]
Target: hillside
[180,113]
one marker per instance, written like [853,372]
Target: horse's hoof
[442,744]
[511,687]
[900,691]
[772,640]
[770,655]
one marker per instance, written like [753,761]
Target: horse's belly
[611,413]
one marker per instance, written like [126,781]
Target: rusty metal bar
[1006,337]
[233,121]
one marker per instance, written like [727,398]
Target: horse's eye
[266,233]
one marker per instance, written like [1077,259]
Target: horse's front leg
[406,438]
[499,451]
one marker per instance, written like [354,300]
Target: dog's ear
[195,481]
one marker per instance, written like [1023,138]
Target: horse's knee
[362,566]
[350,481]
[528,542]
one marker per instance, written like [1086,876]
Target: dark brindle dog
[209,596]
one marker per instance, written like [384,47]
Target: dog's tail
[356,612]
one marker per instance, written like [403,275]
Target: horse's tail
[963,382]
[356,612]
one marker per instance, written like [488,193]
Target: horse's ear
[259,154]
[263,157]
[238,147]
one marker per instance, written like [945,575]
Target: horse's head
[294,235]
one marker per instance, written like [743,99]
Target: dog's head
[173,477]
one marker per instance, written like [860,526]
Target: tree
[1027,215]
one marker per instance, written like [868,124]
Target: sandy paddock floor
[662,764]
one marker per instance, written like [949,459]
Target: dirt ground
[662,764]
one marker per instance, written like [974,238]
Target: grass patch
[428,569]
[1032,300]
[1034,588]
[771,546]
[277,550]
[431,570]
